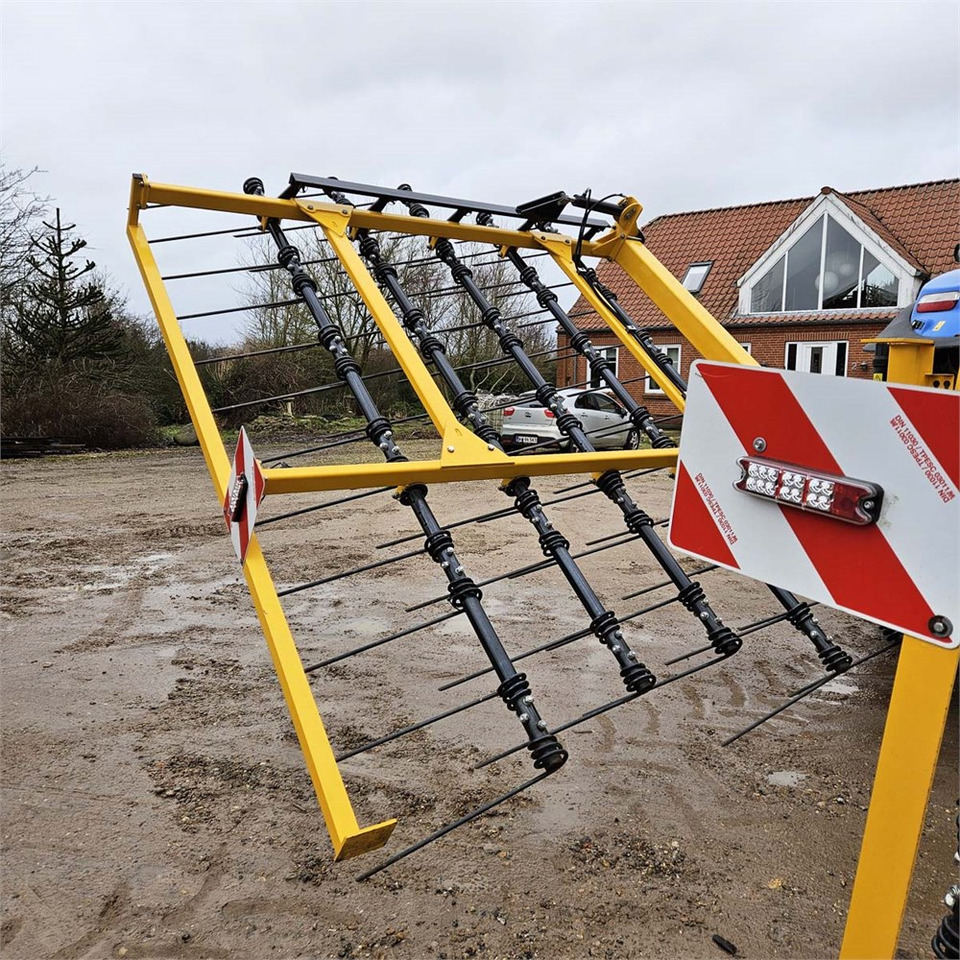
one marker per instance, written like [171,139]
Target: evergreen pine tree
[63,316]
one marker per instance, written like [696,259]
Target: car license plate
[520,438]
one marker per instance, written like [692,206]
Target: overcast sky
[684,105]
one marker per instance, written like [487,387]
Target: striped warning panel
[244,493]
[903,570]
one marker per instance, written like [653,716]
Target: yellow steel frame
[925,674]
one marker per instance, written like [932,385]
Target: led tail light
[935,302]
[854,501]
[509,412]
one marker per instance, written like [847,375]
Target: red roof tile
[921,222]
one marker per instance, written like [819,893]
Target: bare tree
[21,210]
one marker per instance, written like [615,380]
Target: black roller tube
[636,677]
[547,753]
[691,594]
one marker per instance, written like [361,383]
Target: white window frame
[828,203]
[747,346]
[806,345]
[604,351]
[651,387]
[699,263]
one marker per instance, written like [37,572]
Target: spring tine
[523,571]
[742,631]
[626,476]
[323,506]
[811,688]
[349,573]
[344,440]
[887,635]
[443,831]
[419,725]
[493,515]
[583,718]
[606,707]
[379,643]
[770,621]
[666,583]
[688,655]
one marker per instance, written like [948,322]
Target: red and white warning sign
[244,493]
[844,491]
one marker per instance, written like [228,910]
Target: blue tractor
[935,315]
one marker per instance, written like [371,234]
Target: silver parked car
[527,423]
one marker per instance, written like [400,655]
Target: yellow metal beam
[680,306]
[450,469]
[348,838]
[465,443]
[145,192]
[909,751]
[908,760]
[560,248]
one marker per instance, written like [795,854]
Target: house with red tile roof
[800,283]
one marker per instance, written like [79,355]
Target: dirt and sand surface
[155,802]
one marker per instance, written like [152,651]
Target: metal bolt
[632,655]
[458,571]
[941,626]
[528,699]
[759,444]
[309,206]
[524,718]
[541,724]
[867,504]
[704,615]
[451,449]
[490,446]
[345,212]
[616,648]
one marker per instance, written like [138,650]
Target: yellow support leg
[348,838]
[908,760]
[912,736]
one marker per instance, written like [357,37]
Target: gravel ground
[155,802]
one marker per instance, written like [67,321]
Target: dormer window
[695,276]
[825,268]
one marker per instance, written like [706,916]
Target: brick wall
[767,343]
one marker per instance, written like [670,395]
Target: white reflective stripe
[921,529]
[710,446]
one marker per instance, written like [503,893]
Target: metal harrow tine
[443,831]
[523,571]
[379,643]
[322,506]
[363,568]
[612,705]
[419,725]
[743,632]
[805,692]
[666,583]
[626,476]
